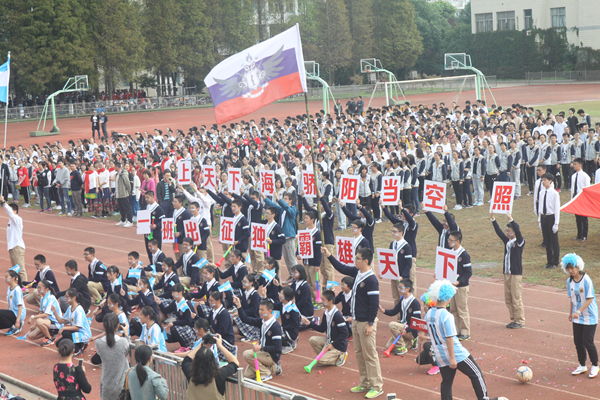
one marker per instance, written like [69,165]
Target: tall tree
[119,40]
[432,21]
[397,40]
[195,44]
[233,26]
[334,41]
[360,20]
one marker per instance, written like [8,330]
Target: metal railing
[236,387]
[562,77]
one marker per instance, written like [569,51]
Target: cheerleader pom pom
[427,300]
[572,260]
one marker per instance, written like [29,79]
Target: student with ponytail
[116,284]
[180,330]
[144,298]
[44,323]
[152,334]
[112,350]
[144,383]
[15,315]
[76,326]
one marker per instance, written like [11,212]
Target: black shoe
[512,325]
[547,266]
[583,239]
[552,266]
[463,337]
[576,238]
[543,244]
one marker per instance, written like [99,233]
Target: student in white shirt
[14,237]
[579,180]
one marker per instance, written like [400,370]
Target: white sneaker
[57,208]
[457,207]
[26,205]
[69,214]
[134,219]
[582,369]
[128,225]
[120,223]
[594,371]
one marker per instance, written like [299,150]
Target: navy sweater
[337,330]
[270,341]
[413,309]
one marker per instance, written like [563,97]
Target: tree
[119,40]
[398,43]
[232,25]
[360,19]
[432,21]
[195,42]
[334,42]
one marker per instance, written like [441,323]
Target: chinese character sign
[343,247]
[305,244]
[168,230]
[192,230]
[143,223]
[184,172]
[445,264]
[503,197]
[226,230]
[308,184]
[390,191]
[388,263]
[267,182]
[258,237]
[349,189]
[234,180]
[434,196]
[418,324]
[210,178]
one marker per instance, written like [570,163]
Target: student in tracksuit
[457,171]
[336,342]
[515,171]
[565,159]
[406,309]
[506,161]
[531,158]
[287,220]
[364,307]
[492,162]
[449,352]
[438,170]
[268,350]
[513,270]
[468,179]
[290,319]
[554,167]
[459,306]
[479,169]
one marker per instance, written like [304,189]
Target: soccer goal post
[450,88]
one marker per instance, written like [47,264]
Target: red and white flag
[503,197]
[234,180]
[434,196]
[226,230]
[168,230]
[388,263]
[305,244]
[344,250]
[258,237]
[349,189]
[267,182]
[390,191]
[192,230]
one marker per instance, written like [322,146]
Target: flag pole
[6,107]
[314,162]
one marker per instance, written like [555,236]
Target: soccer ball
[524,374]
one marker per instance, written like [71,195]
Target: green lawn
[590,107]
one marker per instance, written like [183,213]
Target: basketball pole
[6,107]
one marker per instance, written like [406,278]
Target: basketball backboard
[368,65]
[311,68]
[456,61]
[81,82]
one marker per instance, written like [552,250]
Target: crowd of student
[181,299]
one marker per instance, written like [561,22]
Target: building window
[528,17]
[559,17]
[506,21]
[484,22]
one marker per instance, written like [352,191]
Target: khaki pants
[367,358]
[185,281]
[413,279]
[257,258]
[311,279]
[210,254]
[17,256]
[33,298]
[266,365]
[405,341]
[130,288]
[95,289]
[327,273]
[460,309]
[513,297]
[201,254]
[318,343]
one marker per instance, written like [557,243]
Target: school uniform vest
[545,153]
[478,166]
[504,159]
[533,158]
[554,152]
[516,161]
[578,149]
[437,171]
[565,153]
[468,170]
[590,149]
[492,164]
[456,170]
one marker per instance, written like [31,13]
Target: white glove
[554,228]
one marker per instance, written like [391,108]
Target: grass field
[590,107]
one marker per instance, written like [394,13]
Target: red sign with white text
[418,324]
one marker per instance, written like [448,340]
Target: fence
[562,77]
[237,387]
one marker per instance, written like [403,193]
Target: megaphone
[309,367]
[223,258]
[389,350]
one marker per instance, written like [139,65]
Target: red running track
[545,344]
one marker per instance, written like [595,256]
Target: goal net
[435,90]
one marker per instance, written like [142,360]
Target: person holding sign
[364,305]
[365,217]
[156,215]
[459,304]
[313,263]
[444,228]
[287,217]
[406,309]
[403,252]
[180,214]
[275,236]
[205,203]
[224,200]
[203,227]
[513,270]
[254,214]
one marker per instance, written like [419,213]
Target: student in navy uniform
[189,276]
[237,271]
[116,280]
[268,351]
[241,225]
[97,280]
[203,228]
[209,286]
[290,320]
[249,301]
[135,272]
[181,329]
[224,200]
[447,225]
[449,352]
[459,306]
[406,309]
[272,287]
[343,298]
[168,279]
[44,273]
[326,272]
[513,270]
[179,215]
[311,265]
[411,229]
[156,256]
[254,214]
[302,292]
[156,215]
[220,322]
[145,297]
[79,282]
[275,235]
[364,305]
[360,242]
[364,216]
[334,325]
[403,258]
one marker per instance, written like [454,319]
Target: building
[458,4]
[579,17]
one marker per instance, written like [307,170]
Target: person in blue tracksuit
[287,220]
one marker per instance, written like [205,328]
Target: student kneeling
[408,307]
[336,341]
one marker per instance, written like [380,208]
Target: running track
[546,343]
